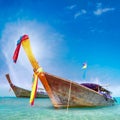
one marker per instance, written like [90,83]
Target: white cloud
[100,10]
[108,9]
[71,7]
[45,43]
[80,13]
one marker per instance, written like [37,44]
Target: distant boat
[20,92]
[66,93]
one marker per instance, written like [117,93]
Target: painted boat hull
[20,92]
[68,93]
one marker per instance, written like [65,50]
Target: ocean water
[12,108]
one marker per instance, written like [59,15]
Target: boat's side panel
[20,92]
[79,95]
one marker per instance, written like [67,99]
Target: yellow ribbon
[35,83]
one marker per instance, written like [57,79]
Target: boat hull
[20,92]
[68,93]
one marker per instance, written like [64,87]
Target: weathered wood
[20,92]
[80,95]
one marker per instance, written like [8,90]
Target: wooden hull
[68,93]
[20,92]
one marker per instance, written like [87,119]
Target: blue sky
[64,34]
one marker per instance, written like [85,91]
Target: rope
[69,96]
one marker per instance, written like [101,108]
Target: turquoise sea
[12,108]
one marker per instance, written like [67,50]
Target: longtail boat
[63,92]
[20,92]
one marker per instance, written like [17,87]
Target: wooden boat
[66,93]
[20,92]
[69,93]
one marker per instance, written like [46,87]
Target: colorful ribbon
[84,66]
[34,86]
[16,53]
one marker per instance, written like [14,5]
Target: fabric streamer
[84,67]
[34,89]
[16,53]
[35,85]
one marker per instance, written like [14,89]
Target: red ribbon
[16,53]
